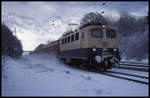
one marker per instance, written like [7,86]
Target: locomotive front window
[97,32]
[110,33]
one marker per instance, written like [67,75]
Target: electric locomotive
[95,45]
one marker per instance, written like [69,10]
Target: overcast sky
[34,20]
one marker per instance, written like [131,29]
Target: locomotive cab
[102,45]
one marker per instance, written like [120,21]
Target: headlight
[98,59]
[115,49]
[103,26]
[94,49]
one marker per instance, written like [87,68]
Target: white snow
[47,76]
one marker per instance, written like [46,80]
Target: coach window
[65,40]
[62,41]
[72,38]
[82,35]
[77,36]
[52,48]
[68,39]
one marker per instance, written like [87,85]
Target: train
[93,45]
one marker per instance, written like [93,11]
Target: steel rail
[138,81]
[134,63]
[128,74]
[132,68]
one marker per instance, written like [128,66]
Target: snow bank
[46,76]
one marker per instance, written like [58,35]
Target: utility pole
[15,32]
[42,37]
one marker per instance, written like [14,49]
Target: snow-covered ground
[47,76]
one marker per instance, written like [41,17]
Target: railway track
[130,77]
[133,66]
[123,75]
[139,63]
[145,66]
[126,76]
[144,77]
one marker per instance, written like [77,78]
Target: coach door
[82,43]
